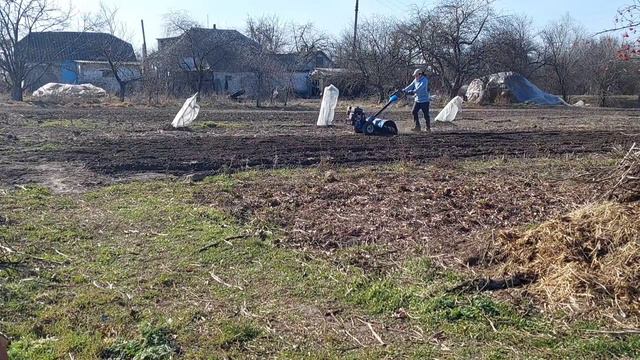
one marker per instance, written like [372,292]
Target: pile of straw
[588,261]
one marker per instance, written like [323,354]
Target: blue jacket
[419,88]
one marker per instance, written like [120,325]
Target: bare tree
[561,41]
[178,22]
[18,19]
[269,32]
[380,55]
[195,49]
[601,68]
[628,19]
[448,39]
[117,56]
[269,35]
[307,40]
[510,45]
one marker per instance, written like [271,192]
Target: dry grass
[585,262]
[625,179]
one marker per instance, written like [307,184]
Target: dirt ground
[73,147]
[345,246]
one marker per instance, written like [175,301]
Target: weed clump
[238,335]
[155,343]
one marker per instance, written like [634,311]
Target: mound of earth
[509,87]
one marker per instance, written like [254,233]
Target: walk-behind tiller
[372,125]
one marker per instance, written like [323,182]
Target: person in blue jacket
[420,88]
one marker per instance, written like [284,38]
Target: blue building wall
[69,72]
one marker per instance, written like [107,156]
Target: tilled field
[186,155]
[101,144]
[358,247]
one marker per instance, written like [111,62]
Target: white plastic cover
[188,113]
[328,107]
[54,91]
[449,113]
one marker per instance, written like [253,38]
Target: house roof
[328,72]
[298,62]
[226,51]
[65,45]
[210,35]
[220,48]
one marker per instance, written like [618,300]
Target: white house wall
[246,81]
[94,73]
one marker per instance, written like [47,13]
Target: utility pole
[355,28]
[144,42]
[144,48]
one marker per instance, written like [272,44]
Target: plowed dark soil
[187,155]
[122,142]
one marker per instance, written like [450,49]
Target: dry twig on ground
[624,180]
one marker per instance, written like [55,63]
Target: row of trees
[459,40]
[455,40]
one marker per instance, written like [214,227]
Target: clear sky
[331,16]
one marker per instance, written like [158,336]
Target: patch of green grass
[225,183]
[154,343]
[50,147]
[606,346]
[76,123]
[130,254]
[543,164]
[380,296]
[28,348]
[208,124]
[238,334]
[452,308]
[55,347]
[29,197]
